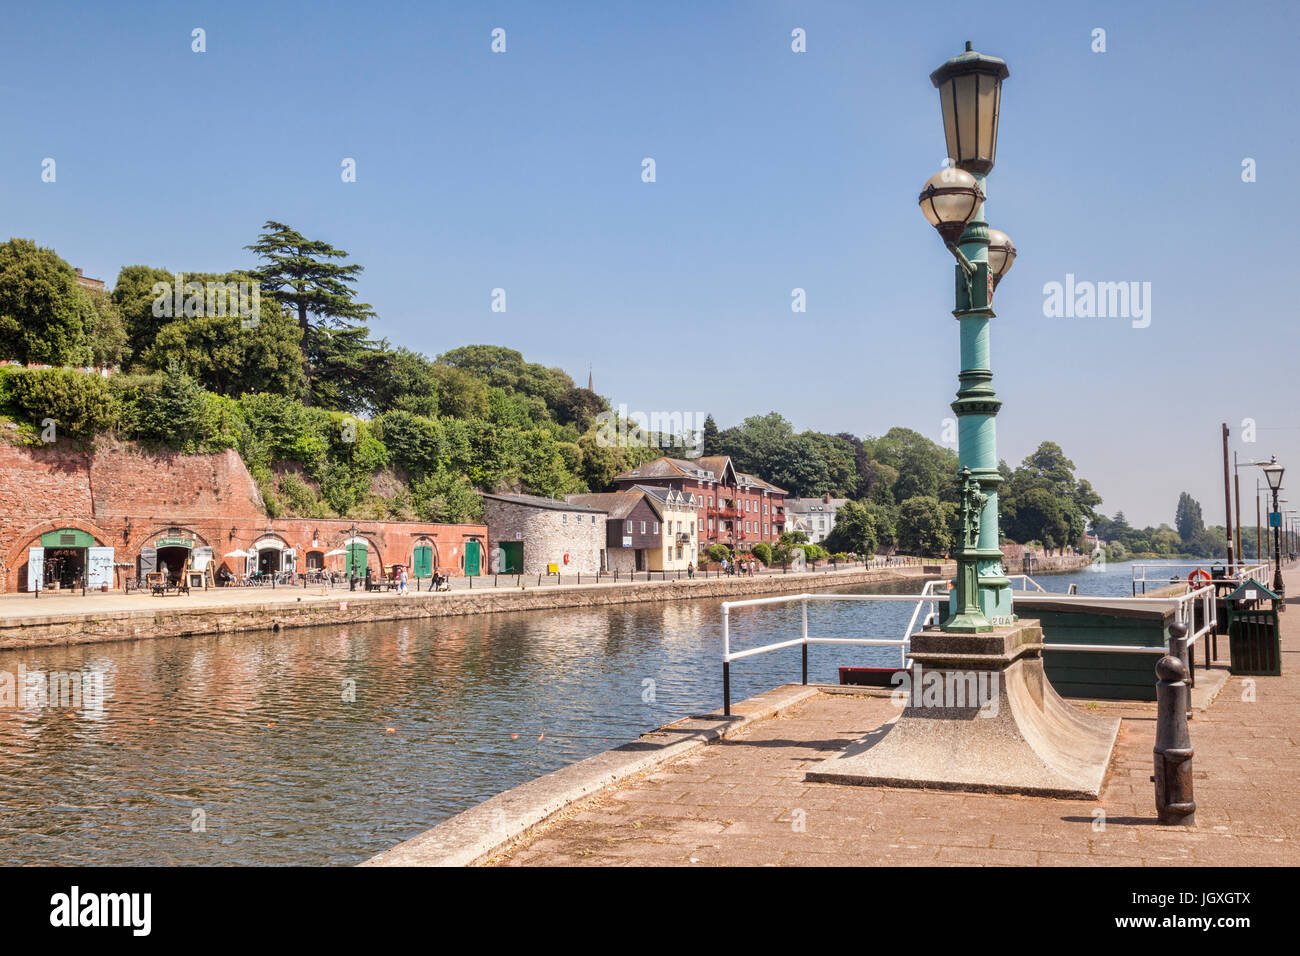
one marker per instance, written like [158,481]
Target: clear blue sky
[775,170]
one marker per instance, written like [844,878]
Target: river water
[327,745]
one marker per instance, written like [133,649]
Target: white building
[816,516]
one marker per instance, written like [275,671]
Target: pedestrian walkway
[743,800]
[26,606]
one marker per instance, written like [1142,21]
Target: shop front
[270,556]
[68,558]
[174,555]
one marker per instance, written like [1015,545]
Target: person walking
[690,570]
[401,581]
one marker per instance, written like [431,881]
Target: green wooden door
[423,561]
[512,557]
[473,555]
[354,561]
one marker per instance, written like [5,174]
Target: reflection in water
[257,731]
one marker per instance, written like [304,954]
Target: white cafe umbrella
[336,551]
[236,554]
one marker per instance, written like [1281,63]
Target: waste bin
[1253,633]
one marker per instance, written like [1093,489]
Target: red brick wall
[126,498]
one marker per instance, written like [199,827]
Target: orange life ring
[566,559]
[1198,578]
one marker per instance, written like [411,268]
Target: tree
[167,408]
[855,530]
[134,295]
[104,329]
[41,307]
[407,381]
[344,363]
[924,469]
[579,407]
[225,352]
[924,526]
[709,438]
[1187,518]
[303,277]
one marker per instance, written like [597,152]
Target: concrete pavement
[744,800]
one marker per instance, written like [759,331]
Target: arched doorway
[272,554]
[62,559]
[357,556]
[424,558]
[473,558]
[171,549]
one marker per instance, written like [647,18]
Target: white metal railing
[937,590]
[1179,572]
[929,595]
[1027,583]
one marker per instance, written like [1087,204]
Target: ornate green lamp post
[970,92]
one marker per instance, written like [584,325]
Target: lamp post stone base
[981,716]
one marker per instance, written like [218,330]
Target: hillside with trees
[334,421]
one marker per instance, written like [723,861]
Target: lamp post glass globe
[1002,253]
[949,201]
[1273,475]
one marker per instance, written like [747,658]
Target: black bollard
[1173,750]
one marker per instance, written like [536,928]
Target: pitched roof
[615,504]
[661,468]
[535,501]
[668,497]
[716,467]
[808,505]
[754,479]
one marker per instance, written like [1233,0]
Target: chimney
[827,499]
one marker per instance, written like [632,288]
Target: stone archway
[13,573]
[168,539]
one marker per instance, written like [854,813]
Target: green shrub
[171,409]
[763,551]
[80,404]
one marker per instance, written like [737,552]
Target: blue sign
[1275,519]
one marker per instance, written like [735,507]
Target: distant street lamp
[1273,475]
[970,93]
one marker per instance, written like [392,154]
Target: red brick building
[65,508]
[736,509]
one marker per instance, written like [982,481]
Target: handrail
[804,639]
[1239,572]
[935,591]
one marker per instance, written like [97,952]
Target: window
[643,527]
[710,526]
[628,526]
[765,507]
[593,519]
[710,501]
[656,527]
[564,519]
[699,526]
